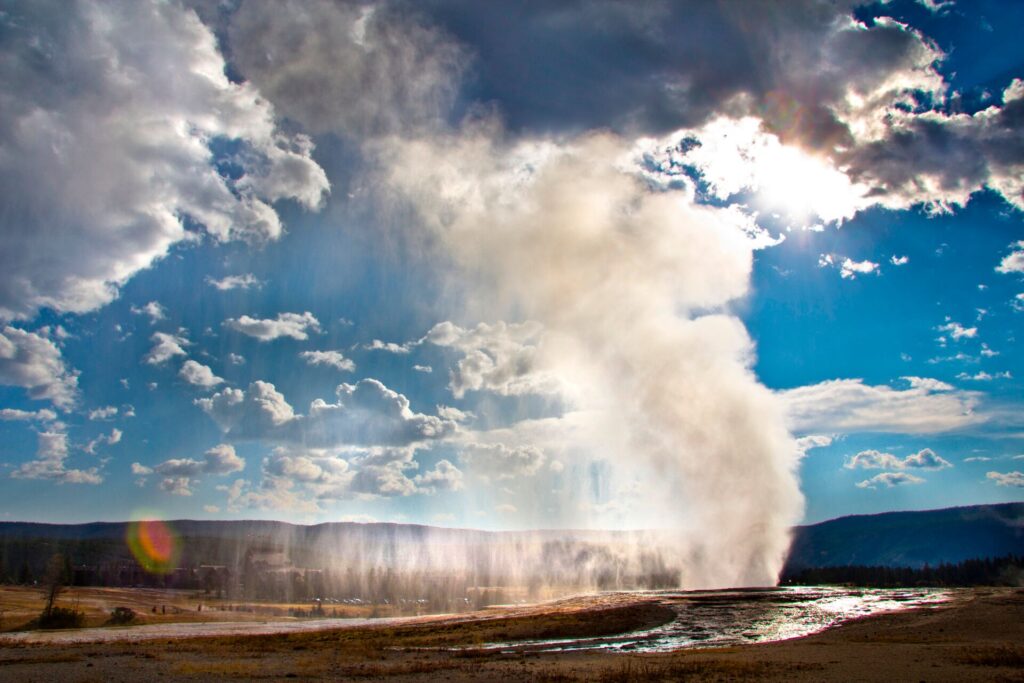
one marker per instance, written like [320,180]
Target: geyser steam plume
[632,283]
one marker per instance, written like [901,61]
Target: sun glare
[737,155]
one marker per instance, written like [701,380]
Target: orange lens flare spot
[154,545]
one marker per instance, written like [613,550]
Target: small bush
[121,616]
[61,617]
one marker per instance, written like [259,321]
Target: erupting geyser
[632,283]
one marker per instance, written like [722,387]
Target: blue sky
[596,265]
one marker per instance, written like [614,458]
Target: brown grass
[1006,655]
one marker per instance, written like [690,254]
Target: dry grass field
[19,605]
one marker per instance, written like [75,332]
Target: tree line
[1007,570]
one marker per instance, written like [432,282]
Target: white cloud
[180,474]
[17,415]
[334,359]
[1014,261]
[426,369]
[366,414]
[199,375]
[324,475]
[958,331]
[444,477]
[34,363]
[806,443]
[889,480]
[499,461]
[108,439]
[454,414]
[849,269]
[899,260]
[104,413]
[229,282]
[165,347]
[849,405]
[1013,479]
[389,347]
[178,486]
[982,376]
[51,455]
[293,325]
[153,309]
[236,359]
[108,150]
[925,459]
[503,358]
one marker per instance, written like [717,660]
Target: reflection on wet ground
[703,618]
[737,617]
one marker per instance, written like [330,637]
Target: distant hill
[910,539]
[605,559]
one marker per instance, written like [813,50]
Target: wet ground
[739,617]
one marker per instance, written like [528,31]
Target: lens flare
[154,545]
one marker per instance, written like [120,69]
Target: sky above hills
[704,265]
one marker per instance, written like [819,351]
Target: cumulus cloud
[51,454]
[153,310]
[326,474]
[104,413]
[199,375]
[165,347]
[366,414]
[502,358]
[229,282]
[180,474]
[925,459]
[929,157]
[889,480]
[34,363]
[346,68]
[18,415]
[806,443]
[334,359]
[958,331]
[1014,261]
[323,474]
[899,260]
[390,347]
[108,439]
[454,414]
[1012,479]
[848,268]
[91,196]
[444,477]
[849,405]
[499,461]
[293,325]
[982,376]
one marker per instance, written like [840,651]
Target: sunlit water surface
[737,617]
